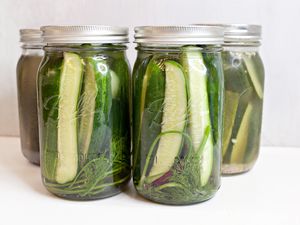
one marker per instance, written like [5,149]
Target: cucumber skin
[253,60]
[231,102]
[160,111]
[139,71]
[152,112]
[216,95]
[188,57]
[243,102]
[109,124]
[103,102]
[239,148]
[87,111]
[48,93]
[101,110]
[215,86]
[254,132]
[121,122]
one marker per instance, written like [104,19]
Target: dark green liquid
[27,100]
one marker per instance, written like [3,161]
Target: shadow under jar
[27,68]
[177,115]
[244,86]
[83,93]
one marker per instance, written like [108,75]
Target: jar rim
[248,34]
[242,33]
[30,36]
[179,35]
[59,34]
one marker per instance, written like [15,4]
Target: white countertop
[269,194]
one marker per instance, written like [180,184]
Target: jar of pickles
[244,89]
[27,68]
[177,115]
[84,121]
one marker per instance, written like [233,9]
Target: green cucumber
[235,73]
[199,112]
[87,106]
[120,117]
[240,145]
[139,73]
[153,107]
[255,72]
[69,91]
[91,97]
[48,95]
[96,101]
[173,119]
[215,87]
[243,101]
[254,131]
[231,103]
[238,91]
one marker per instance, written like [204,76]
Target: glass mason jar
[83,96]
[244,89]
[177,115]
[27,68]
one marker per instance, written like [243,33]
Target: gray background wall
[280,50]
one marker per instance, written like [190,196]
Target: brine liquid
[244,82]
[100,151]
[27,100]
[176,161]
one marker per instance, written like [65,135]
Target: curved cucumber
[239,92]
[153,108]
[173,119]
[231,103]
[69,90]
[254,74]
[140,68]
[96,100]
[88,103]
[199,114]
[90,97]
[240,145]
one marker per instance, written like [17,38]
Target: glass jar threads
[27,68]
[177,113]
[244,86]
[84,121]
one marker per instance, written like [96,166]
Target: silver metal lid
[84,34]
[242,33]
[31,36]
[178,35]
[245,34]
